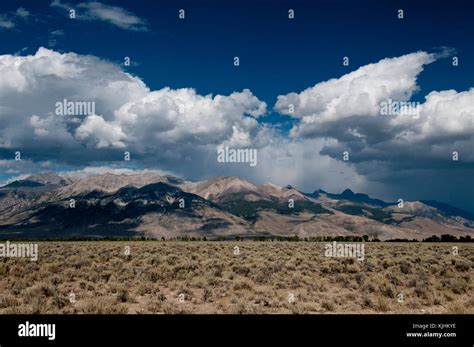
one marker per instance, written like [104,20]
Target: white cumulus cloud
[356,94]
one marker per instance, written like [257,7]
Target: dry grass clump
[264,277]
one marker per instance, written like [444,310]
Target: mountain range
[150,204]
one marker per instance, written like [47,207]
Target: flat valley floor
[100,277]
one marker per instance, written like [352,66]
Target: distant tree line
[294,238]
[448,238]
[364,238]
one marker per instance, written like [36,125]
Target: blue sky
[277,56]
